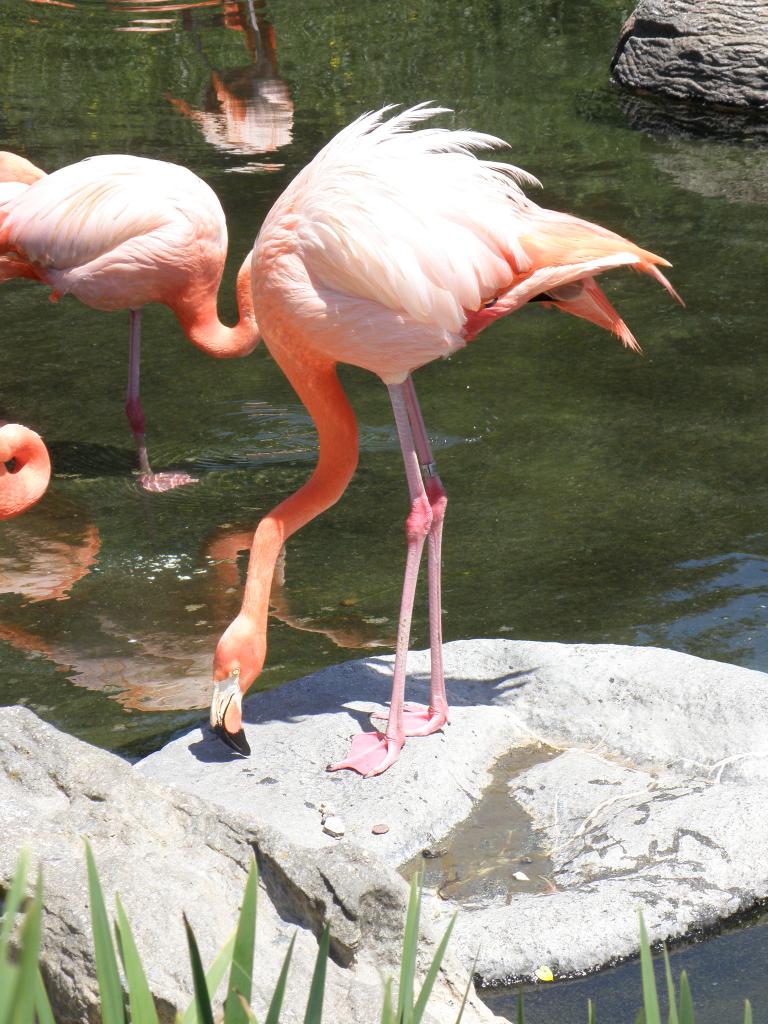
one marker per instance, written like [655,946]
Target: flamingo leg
[418,720]
[150,481]
[373,752]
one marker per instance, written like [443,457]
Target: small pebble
[334,826]
[521,876]
[380,830]
[433,852]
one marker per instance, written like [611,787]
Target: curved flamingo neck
[25,482]
[17,168]
[199,318]
[317,385]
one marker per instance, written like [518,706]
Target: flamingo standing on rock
[394,246]
[25,469]
[118,232]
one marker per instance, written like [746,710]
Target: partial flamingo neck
[198,316]
[318,387]
[16,168]
[24,482]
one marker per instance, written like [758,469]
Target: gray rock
[655,802]
[716,52]
[166,852]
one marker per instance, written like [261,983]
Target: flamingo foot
[371,754]
[157,483]
[419,720]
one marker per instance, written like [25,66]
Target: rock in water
[714,52]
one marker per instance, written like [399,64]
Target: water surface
[595,495]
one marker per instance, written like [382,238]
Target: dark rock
[714,52]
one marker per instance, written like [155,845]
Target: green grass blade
[408,962]
[520,1015]
[468,987]
[640,1018]
[13,901]
[314,1012]
[650,996]
[202,999]
[387,1010]
[23,1002]
[672,1019]
[8,978]
[139,996]
[275,1005]
[42,1004]
[110,988]
[240,977]
[9,972]
[747,1012]
[590,1012]
[685,1006]
[434,967]
[213,978]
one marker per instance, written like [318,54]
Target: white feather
[88,209]
[407,217]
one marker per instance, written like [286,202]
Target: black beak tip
[234,740]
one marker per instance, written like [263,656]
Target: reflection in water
[255,433]
[722,607]
[228,551]
[693,120]
[160,666]
[43,556]
[248,110]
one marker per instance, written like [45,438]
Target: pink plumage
[118,232]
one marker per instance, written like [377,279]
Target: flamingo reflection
[231,545]
[42,557]
[160,662]
[247,110]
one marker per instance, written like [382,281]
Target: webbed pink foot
[156,483]
[371,754]
[418,720]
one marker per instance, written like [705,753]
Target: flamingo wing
[411,220]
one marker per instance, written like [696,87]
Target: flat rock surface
[655,802]
[716,52]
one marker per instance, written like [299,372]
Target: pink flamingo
[25,469]
[118,232]
[392,247]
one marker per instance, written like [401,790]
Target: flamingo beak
[227,715]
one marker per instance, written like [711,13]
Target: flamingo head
[227,714]
[238,661]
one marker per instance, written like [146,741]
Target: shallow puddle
[494,853]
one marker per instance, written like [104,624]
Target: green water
[595,495]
